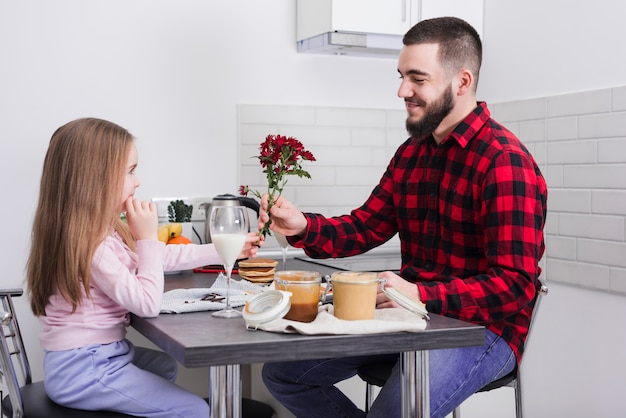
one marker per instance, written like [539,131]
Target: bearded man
[469,204]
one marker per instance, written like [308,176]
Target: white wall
[540,48]
[174,72]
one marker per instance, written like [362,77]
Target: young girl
[88,270]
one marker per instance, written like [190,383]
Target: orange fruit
[179,240]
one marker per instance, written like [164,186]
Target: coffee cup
[304,287]
[354,294]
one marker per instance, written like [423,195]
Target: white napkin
[385,320]
[190,300]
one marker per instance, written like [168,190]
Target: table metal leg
[415,390]
[225,391]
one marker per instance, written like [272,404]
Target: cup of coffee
[354,294]
[305,293]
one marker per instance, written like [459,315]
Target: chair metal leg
[457,412]
[517,387]
[369,396]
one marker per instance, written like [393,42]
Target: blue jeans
[307,388]
[119,377]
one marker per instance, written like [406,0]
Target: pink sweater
[122,281]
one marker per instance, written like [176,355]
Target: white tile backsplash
[572,152]
[532,130]
[589,102]
[617,280]
[276,115]
[569,200]
[368,137]
[610,228]
[518,110]
[353,118]
[578,139]
[586,172]
[562,247]
[609,202]
[558,129]
[602,252]
[593,276]
[554,178]
[619,99]
[595,176]
[341,156]
[602,125]
[323,135]
[611,150]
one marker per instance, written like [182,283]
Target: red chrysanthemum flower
[279,156]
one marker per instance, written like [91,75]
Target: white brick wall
[579,141]
[585,168]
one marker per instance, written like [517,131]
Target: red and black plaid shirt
[469,213]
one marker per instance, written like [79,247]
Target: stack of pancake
[258,270]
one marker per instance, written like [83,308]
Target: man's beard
[435,113]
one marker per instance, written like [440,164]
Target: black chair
[28,399]
[251,408]
[377,374]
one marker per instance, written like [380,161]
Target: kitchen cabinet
[391,17]
[381,17]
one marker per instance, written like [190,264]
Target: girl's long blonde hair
[79,198]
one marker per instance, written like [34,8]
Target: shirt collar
[468,127]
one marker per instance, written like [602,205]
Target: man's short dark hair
[459,43]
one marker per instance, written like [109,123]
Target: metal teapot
[226,200]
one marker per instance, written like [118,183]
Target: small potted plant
[179,211]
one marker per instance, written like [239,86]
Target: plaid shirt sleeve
[470,214]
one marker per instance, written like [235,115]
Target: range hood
[353,44]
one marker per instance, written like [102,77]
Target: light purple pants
[119,377]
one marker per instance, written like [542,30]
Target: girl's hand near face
[143,219]
[250,248]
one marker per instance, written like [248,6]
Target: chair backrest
[543,291]
[12,352]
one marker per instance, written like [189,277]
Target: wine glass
[229,226]
[282,241]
